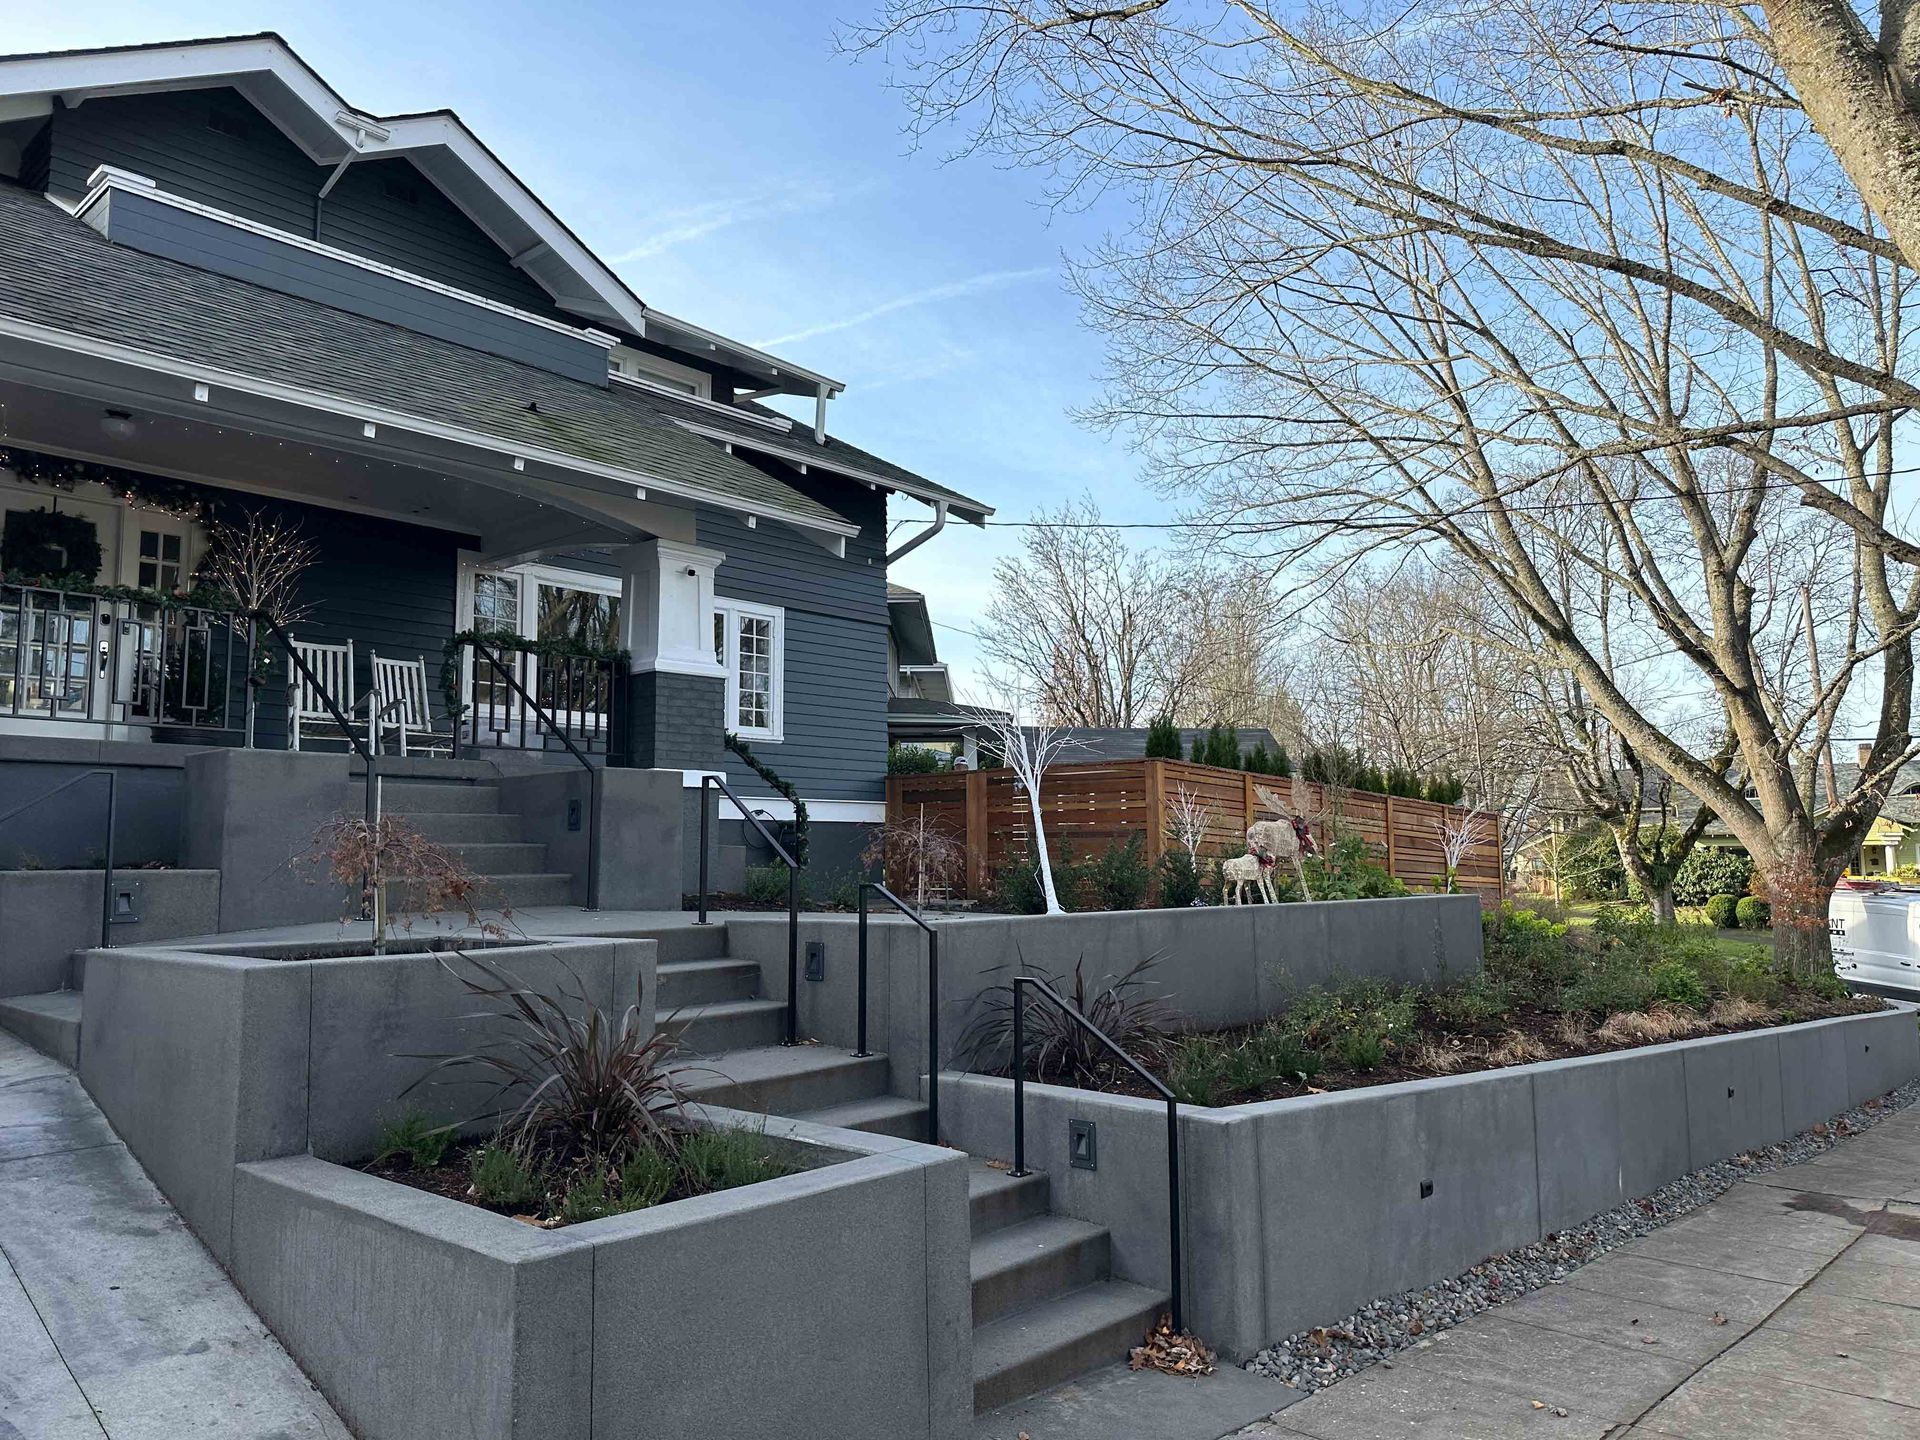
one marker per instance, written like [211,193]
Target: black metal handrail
[539,713]
[1154,1081]
[933,996]
[106,890]
[584,695]
[794,867]
[370,881]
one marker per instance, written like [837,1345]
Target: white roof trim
[654,387]
[826,462]
[108,178]
[507,450]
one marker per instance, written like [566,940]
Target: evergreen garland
[153,492]
[767,773]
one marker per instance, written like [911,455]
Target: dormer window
[645,369]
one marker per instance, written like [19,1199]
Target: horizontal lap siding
[265,177]
[835,663]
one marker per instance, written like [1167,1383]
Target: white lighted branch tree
[258,560]
[1187,819]
[1027,743]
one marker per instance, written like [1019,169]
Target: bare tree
[932,856]
[1492,289]
[1188,817]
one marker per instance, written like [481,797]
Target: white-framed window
[633,364]
[750,642]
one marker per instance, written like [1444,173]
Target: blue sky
[740,174]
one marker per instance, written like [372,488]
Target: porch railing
[67,655]
[514,700]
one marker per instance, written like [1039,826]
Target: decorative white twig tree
[1459,836]
[1187,819]
[258,560]
[1027,749]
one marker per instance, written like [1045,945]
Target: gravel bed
[1316,1358]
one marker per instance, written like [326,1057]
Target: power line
[1477,503]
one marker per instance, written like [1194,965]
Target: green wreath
[48,543]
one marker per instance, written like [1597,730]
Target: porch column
[677,694]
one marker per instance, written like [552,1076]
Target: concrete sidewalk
[114,1322]
[1790,1307]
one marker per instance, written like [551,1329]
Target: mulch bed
[1537,1024]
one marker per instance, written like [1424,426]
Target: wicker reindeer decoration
[1288,838]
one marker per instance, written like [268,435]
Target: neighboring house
[222,286]
[921,710]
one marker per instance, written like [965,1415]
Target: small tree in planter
[365,857]
[930,854]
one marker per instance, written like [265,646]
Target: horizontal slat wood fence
[1091,805]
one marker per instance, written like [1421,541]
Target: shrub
[1678,984]
[1752,913]
[1590,867]
[1129,1008]
[1163,739]
[1356,1022]
[416,1139]
[842,889]
[595,1087]
[1721,912]
[589,1199]
[647,1177]
[1119,878]
[916,760]
[1179,879]
[502,1178]
[1472,1002]
[767,884]
[1016,890]
[1706,873]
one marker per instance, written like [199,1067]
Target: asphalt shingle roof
[58,272]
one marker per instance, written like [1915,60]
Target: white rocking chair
[400,707]
[307,713]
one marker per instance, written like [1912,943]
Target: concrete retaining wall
[205,1060]
[422,1318]
[46,915]
[1222,965]
[67,831]
[1299,1211]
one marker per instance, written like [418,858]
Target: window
[749,641]
[631,364]
[160,558]
[496,602]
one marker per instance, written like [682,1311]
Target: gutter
[939,524]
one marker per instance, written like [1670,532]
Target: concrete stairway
[464,817]
[49,1022]
[1046,1307]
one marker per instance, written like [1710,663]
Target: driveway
[1790,1307]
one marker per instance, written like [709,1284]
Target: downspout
[320,200]
[939,524]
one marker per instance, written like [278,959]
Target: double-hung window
[749,641]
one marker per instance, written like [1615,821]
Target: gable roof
[291,94]
[64,286]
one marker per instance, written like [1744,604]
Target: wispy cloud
[696,222]
[952,290]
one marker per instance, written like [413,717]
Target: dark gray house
[226,291]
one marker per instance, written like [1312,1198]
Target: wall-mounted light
[119,425]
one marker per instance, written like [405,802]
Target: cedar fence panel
[1090,805]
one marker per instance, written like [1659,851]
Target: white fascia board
[360,411]
[826,462]
[780,424]
[758,359]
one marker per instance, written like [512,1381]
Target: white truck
[1876,939]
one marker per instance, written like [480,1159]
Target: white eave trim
[825,461]
[377,415]
[108,178]
[781,424]
[759,358]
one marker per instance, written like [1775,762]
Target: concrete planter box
[206,1059]
[46,915]
[1224,964]
[420,1317]
[1299,1211]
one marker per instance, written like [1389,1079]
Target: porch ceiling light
[203,393]
[118,425]
[370,430]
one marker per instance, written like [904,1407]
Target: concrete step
[881,1115]
[477,827]
[1028,1351]
[499,857]
[690,942]
[723,1025]
[700,982]
[1034,1261]
[50,1023]
[410,797]
[784,1079]
[996,1199]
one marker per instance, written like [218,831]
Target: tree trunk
[1800,890]
[1661,901]
[1054,907]
[1658,890]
